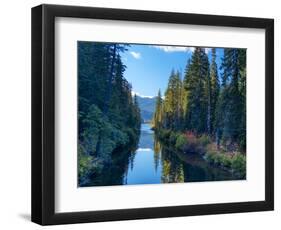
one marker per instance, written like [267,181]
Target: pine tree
[205,104]
[109,118]
[214,90]
[230,109]
[242,89]
[196,85]
[136,114]
[168,107]
[173,102]
[157,117]
[113,50]
[178,92]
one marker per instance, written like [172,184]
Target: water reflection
[147,168]
[153,162]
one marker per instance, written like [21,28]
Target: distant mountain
[147,107]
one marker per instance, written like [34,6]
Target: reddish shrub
[192,143]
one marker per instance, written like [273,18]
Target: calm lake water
[153,163]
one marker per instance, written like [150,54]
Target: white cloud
[136,55]
[169,49]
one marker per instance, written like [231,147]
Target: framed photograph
[142,114]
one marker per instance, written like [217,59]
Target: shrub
[181,142]
[127,136]
[226,161]
[239,164]
[242,143]
[84,164]
[210,157]
[191,142]
[204,140]
[190,136]
[164,134]
[218,158]
[87,164]
[173,138]
[236,162]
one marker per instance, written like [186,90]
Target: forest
[108,115]
[204,111]
[195,131]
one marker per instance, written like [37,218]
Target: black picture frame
[43,114]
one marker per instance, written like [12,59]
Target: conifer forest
[160,114]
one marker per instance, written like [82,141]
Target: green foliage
[109,117]
[87,165]
[173,138]
[239,164]
[204,140]
[172,109]
[231,109]
[189,143]
[196,85]
[202,104]
[210,157]
[236,162]
[102,137]
[164,134]
[181,142]
[207,107]
[226,161]
[214,90]
[157,117]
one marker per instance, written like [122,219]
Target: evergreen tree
[185,103]
[242,89]
[231,108]
[157,117]
[214,90]
[179,102]
[196,85]
[109,118]
[205,104]
[173,102]
[137,115]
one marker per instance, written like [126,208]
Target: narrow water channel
[153,163]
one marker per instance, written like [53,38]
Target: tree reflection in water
[153,162]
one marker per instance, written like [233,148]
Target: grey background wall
[15,113]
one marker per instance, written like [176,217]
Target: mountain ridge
[147,107]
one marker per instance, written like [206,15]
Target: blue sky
[149,67]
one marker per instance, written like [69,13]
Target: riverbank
[234,161]
[104,156]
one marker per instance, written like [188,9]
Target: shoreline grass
[233,161]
